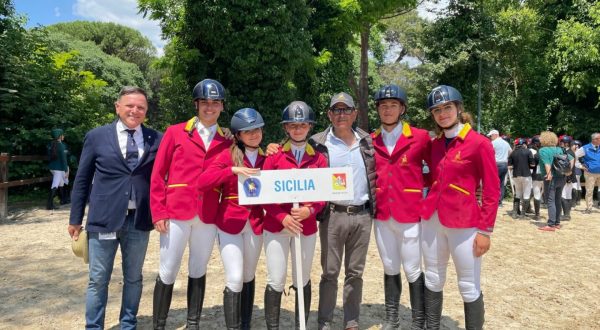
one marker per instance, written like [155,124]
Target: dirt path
[531,280]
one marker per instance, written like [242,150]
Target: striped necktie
[298,155]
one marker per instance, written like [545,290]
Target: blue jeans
[133,244]
[502,171]
[555,187]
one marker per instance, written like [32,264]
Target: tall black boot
[272,307]
[232,302]
[417,302]
[434,302]
[475,314]
[307,297]
[516,212]
[392,286]
[578,197]
[573,197]
[63,194]
[195,300]
[536,206]
[524,207]
[566,205]
[50,203]
[161,303]
[247,304]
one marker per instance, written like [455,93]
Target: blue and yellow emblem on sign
[339,181]
[252,187]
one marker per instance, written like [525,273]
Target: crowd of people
[534,168]
[183,183]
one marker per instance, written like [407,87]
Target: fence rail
[5,159]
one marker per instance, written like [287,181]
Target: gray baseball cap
[343,98]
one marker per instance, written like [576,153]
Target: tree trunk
[363,85]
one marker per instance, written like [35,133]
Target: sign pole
[299,281]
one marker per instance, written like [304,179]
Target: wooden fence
[5,159]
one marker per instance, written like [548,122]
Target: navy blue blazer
[103,164]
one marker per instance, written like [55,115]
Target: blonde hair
[237,151]
[548,139]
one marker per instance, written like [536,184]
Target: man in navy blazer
[114,175]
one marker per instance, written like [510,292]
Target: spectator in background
[589,157]
[57,154]
[567,193]
[521,161]
[501,150]
[578,172]
[555,180]
[537,177]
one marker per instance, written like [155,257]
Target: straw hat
[80,246]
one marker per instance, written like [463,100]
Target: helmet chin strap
[452,130]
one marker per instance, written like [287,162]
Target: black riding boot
[50,203]
[574,198]
[516,212]
[434,301]
[307,297]
[566,205]
[392,286]
[474,314]
[525,206]
[161,303]
[417,302]
[272,308]
[63,194]
[247,304]
[536,206]
[195,300]
[232,308]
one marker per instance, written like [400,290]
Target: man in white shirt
[502,149]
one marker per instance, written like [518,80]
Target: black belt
[130,211]
[350,209]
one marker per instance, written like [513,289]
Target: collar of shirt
[390,138]
[251,155]
[122,135]
[122,128]
[298,151]
[341,155]
[206,132]
[331,138]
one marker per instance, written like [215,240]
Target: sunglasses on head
[337,111]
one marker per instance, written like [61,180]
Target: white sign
[296,185]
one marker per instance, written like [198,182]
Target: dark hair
[54,149]
[127,90]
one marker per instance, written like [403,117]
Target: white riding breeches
[399,244]
[58,178]
[538,188]
[438,243]
[523,185]
[240,253]
[567,192]
[277,248]
[199,236]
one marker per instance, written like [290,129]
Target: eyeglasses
[338,111]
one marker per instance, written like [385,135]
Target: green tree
[113,39]
[254,48]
